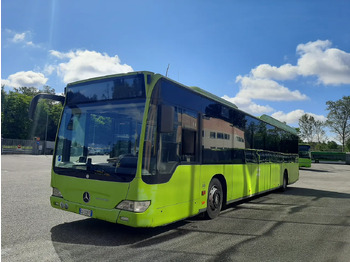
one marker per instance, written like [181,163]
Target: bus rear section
[304,156]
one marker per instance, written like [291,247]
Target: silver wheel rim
[214,198]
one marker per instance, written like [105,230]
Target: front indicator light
[134,206]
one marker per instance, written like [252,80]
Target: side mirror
[36,98]
[166,119]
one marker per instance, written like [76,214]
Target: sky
[280,58]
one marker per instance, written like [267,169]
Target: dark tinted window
[251,156]
[163,152]
[107,89]
[218,139]
[179,96]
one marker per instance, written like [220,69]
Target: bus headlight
[56,192]
[134,206]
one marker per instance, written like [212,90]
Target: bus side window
[189,137]
[188,142]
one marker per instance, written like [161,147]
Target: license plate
[85,212]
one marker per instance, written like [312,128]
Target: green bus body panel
[304,162]
[175,200]
[103,194]
[181,197]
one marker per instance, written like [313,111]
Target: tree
[339,118]
[3,99]
[28,91]
[15,122]
[311,129]
[320,134]
[306,127]
[348,144]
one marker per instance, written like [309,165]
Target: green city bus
[304,156]
[142,150]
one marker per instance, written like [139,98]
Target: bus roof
[106,77]
[211,96]
[272,121]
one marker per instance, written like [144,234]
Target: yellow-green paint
[304,162]
[177,199]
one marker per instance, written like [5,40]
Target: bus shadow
[314,170]
[90,235]
[292,191]
[309,192]
[101,233]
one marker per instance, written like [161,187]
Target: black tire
[285,182]
[215,199]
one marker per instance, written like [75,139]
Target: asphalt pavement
[308,222]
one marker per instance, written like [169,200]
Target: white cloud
[83,64]
[251,88]
[61,55]
[284,72]
[30,43]
[19,37]
[266,89]
[5,82]
[248,105]
[292,118]
[28,79]
[330,65]
[22,38]
[311,47]
[49,69]
[77,65]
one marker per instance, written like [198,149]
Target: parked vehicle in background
[304,156]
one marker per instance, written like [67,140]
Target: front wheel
[215,198]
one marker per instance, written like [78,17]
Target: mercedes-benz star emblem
[86,197]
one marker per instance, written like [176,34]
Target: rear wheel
[285,182]
[215,198]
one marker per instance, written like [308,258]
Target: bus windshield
[100,140]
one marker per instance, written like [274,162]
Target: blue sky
[281,58]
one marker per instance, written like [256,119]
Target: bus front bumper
[110,215]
